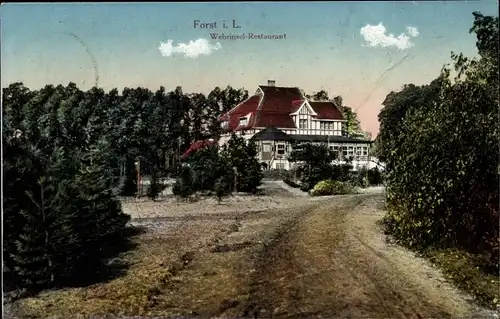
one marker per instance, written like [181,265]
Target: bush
[331,187]
[155,187]
[221,188]
[183,186]
[375,177]
[242,155]
[291,183]
[276,174]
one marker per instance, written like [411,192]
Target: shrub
[331,187]
[375,177]
[291,183]
[243,156]
[155,187]
[276,174]
[221,188]
[183,186]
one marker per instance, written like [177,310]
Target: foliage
[242,155]
[331,187]
[155,187]
[221,188]
[277,174]
[364,177]
[314,163]
[69,153]
[467,271]
[375,177]
[291,183]
[60,215]
[207,167]
[184,184]
[440,146]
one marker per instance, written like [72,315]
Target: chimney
[271,83]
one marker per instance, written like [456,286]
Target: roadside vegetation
[440,146]
[70,154]
[317,173]
[211,171]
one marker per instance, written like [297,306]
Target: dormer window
[243,121]
[224,124]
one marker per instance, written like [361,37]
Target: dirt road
[310,258]
[333,262]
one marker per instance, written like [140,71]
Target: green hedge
[331,187]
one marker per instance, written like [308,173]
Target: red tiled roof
[273,109]
[277,104]
[196,146]
[244,108]
[275,120]
[296,105]
[326,110]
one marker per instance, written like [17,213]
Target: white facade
[307,123]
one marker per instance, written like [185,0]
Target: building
[275,116]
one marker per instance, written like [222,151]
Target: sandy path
[334,262]
[289,257]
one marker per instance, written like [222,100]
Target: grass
[171,275]
[462,268]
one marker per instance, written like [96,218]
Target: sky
[359,50]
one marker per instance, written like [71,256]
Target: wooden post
[139,186]
[235,169]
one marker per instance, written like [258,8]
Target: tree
[440,143]
[155,187]
[184,184]
[315,163]
[219,102]
[353,126]
[207,166]
[59,213]
[397,105]
[320,96]
[242,155]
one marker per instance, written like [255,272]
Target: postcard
[250,159]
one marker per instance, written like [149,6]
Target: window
[326,125]
[350,151]
[266,147]
[302,123]
[224,124]
[243,121]
[344,151]
[281,149]
[365,151]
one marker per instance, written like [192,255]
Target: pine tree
[154,188]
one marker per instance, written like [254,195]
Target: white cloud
[193,49]
[375,35]
[412,31]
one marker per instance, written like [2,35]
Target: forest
[69,154]
[440,145]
